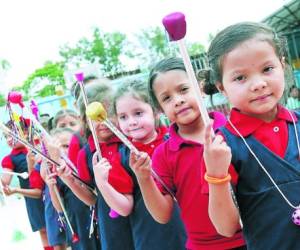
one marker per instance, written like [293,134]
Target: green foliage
[48,90]
[53,72]
[2,100]
[4,64]
[154,45]
[103,48]
[195,49]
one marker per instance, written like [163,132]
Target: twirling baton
[25,143]
[175,25]
[8,132]
[96,112]
[23,175]
[80,78]
[16,98]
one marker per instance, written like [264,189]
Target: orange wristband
[214,180]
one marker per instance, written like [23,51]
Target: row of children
[254,155]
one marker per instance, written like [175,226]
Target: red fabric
[178,162]
[35,180]
[118,177]
[74,149]
[48,248]
[7,163]
[150,147]
[263,131]
[21,150]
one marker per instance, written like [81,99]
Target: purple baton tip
[34,108]
[175,25]
[113,214]
[79,76]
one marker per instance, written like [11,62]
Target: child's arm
[160,206]
[65,173]
[82,192]
[222,210]
[121,203]
[6,178]
[27,192]
[31,161]
[51,182]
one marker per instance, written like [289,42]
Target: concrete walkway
[15,231]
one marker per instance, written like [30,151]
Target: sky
[33,30]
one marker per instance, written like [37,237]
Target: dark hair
[99,91]
[62,113]
[232,36]
[204,75]
[163,66]
[135,88]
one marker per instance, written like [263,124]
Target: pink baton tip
[113,214]
[75,238]
[79,76]
[175,25]
[16,98]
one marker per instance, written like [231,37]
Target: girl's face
[69,121]
[295,92]
[136,119]
[175,97]
[253,79]
[103,132]
[64,139]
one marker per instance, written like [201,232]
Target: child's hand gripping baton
[97,112]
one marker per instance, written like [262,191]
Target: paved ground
[15,231]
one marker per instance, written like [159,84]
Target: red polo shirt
[178,162]
[118,177]
[74,149]
[274,134]
[35,180]
[7,161]
[149,147]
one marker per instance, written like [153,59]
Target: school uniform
[55,232]
[16,161]
[80,218]
[265,214]
[147,233]
[178,162]
[115,233]
[76,143]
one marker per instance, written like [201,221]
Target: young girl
[137,119]
[248,63]
[66,118]
[78,138]
[16,161]
[78,212]
[177,160]
[115,233]
[56,235]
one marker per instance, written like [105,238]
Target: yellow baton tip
[96,112]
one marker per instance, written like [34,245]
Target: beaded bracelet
[214,180]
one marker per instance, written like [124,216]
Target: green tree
[195,49]
[154,46]
[2,100]
[51,74]
[4,64]
[103,48]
